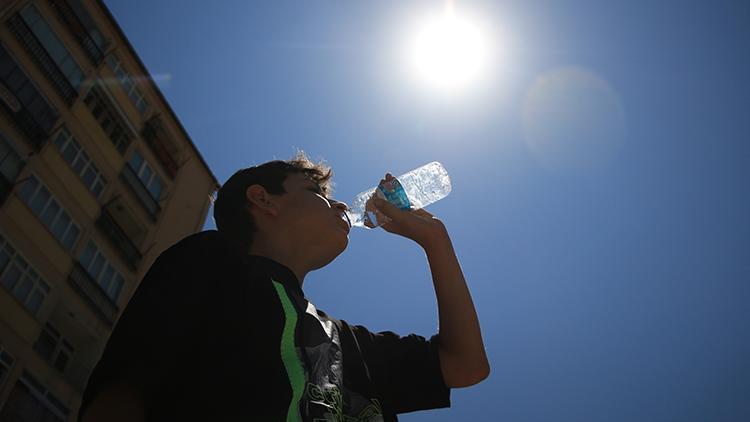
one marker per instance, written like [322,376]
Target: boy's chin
[327,259]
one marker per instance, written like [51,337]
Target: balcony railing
[93,294]
[42,58]
[78,29]
[141,193]
[155,138]
[24,121]
[128,250]
[112,122]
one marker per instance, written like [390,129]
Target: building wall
[126,223]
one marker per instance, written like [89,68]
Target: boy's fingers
[387,208]
[422,212]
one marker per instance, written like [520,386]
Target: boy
[219,328]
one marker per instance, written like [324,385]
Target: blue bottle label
[395,194]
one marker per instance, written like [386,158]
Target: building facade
[97,177]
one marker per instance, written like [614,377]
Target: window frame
[112,287]
[142,168]
[30,198]
[44,118]
[64,140]
[6,356]
[49,42]
[45,397]
[62,345]
[128,83]
[110,117]
[26,271]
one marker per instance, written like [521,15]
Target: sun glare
[447,52]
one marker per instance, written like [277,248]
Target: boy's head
[286,201]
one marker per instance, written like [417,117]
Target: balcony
[33,129]
[160,144]
[81,32]
[93,294]
[119,238]
[40,56]
[141,193]
[113,123]
[34,133]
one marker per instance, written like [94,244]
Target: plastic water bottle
[413,190]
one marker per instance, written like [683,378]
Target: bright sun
[447,52]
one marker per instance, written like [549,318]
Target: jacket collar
[278,272]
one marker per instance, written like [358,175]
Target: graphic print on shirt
[318,353]
[326,400]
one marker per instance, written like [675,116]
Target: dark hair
[231,207]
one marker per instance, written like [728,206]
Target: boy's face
[315,222]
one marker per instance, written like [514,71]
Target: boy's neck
[280,254]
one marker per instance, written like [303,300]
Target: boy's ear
[261,200]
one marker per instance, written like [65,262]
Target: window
[49,211]
[30,401]
[10,161]
[102,271]
[80,162]
[128,83]
[53,348]
[109,118]
[86,20]
[82,26]
[17,276]
[148,176]
[52,44]
[6,363]
[41,116]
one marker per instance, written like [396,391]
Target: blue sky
[600,170]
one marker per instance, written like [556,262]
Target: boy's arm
[462,356]
[463,359]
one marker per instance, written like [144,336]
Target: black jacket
[211,334]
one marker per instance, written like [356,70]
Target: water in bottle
[413,190]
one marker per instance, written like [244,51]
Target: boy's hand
[417,225]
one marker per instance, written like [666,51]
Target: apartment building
[97,177]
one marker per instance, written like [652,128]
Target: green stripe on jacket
[289,356]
